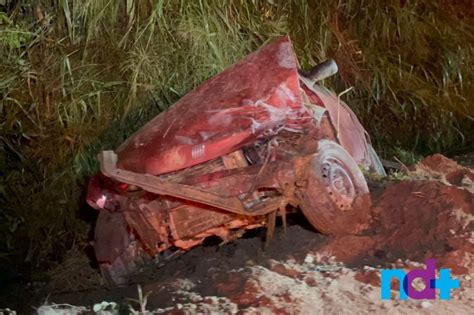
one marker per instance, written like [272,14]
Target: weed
[80,76]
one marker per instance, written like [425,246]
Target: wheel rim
[338,182]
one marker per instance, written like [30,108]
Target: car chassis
[252,143]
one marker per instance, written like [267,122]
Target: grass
[78,76]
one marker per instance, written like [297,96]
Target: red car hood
[261,93]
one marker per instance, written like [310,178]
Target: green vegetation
[78,76]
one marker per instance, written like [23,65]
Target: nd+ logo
[444,283]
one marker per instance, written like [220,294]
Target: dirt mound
[431,216]
[419,220]
[439,168]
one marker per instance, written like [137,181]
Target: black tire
[336,199]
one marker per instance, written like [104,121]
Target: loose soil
[429,215]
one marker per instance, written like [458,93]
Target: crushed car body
[254,142]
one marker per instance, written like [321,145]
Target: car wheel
[127,264]
[335,199]
[118,252]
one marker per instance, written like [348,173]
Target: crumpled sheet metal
[349,131]
[259,95]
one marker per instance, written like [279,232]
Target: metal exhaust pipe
[320,72]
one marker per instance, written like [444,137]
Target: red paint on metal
[236,150]
[260,93]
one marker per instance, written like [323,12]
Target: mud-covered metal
[338,182]
[231,156]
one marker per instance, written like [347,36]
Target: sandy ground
[308,288]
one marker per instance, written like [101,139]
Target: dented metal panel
[230,156]
[258,94]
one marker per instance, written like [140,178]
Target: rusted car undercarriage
[250,144]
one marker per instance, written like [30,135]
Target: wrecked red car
[252,143]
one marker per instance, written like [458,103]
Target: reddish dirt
[414,220]
[422,220]
[419,219]
[428,216]
[438,167]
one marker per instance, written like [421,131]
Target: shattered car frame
[250,144]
